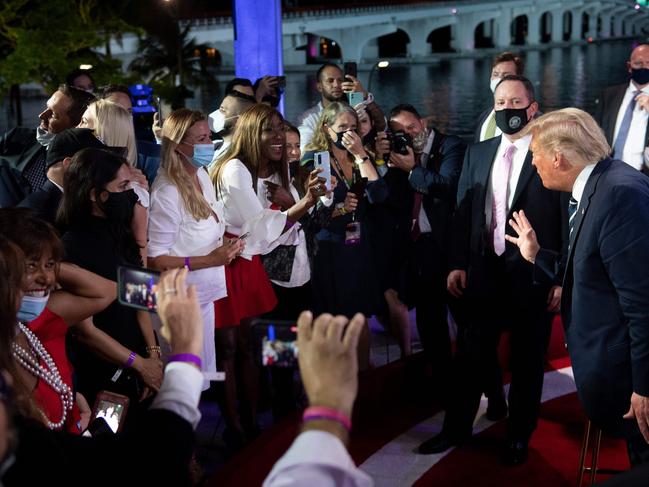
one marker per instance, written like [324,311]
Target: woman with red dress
[46,312]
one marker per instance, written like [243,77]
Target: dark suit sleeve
[442,184]
[461,228]
[624,250]
[547,266]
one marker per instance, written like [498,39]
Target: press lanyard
[340,172]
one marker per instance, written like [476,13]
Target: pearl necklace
[47,371]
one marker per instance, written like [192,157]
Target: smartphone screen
[321,160]
[275,343]
[354,98]
[349,68]
[111,408]
[135,287]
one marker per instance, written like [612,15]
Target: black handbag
[279,262]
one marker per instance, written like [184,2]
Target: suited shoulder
[17,136]
[609,90]
[451,141]
[486,145]
[620,176]
[609,93]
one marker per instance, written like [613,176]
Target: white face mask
[217,121]
[43,137]
[493,83]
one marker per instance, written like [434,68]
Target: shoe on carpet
[436,444]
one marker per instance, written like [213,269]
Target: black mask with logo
[512,120]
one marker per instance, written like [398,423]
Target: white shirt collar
[522,145]
[632,88]
[580,182]
[55,184]
[429,143]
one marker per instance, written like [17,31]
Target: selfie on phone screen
[136,288]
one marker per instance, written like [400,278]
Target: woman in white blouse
[186,222]
[256,152]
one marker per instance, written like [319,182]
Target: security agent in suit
[494,281]
[623,112]
[23,149]
[423,186]
[605,301]
[45,201]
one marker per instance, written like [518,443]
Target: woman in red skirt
[257,151]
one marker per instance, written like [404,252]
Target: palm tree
[167,58]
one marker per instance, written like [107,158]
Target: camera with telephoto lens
[399,142]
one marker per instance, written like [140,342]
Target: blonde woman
[344,271]
[113,124]
[186,224]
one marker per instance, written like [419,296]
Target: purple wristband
[187,358]
[189,268]
[129,362]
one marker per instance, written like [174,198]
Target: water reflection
[454,91]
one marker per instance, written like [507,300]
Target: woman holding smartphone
[256,152]
[343,276]
[46,312]
[186,223]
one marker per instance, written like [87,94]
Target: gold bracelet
[154,348]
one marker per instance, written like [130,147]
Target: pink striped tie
[500,184]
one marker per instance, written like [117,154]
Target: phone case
[321,160]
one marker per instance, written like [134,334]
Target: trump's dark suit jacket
[605,301]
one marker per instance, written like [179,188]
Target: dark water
[455,91]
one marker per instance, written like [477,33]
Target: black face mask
[512,120]
[640,75]
[339,140]
[119,206]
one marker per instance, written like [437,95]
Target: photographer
[425,167]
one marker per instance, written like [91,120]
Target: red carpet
[553,460]
[394,398]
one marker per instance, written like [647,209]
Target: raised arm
[83,294]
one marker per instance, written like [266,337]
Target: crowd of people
[400,216]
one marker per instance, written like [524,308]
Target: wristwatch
[360,161]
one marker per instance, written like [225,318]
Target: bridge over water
[463,25]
